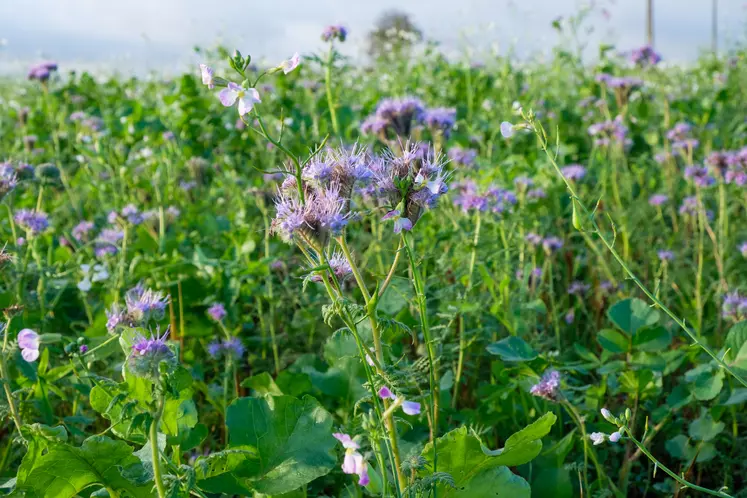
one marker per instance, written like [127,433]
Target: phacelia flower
[34,222]
[339,265]
[609,132]
[552,244]
[578,288]
[82,229]
[217,312]
[29,342]
[699,176]
[42,71]
[665,255]
[207,76]
[645,56]
[734,306]
[680,138]
[440,119]
[658,199]
[548,387]
[145,304]
[246,97]
[394,117]
[743,249]
[569,317]
[465,157]
[8,179]
[409,407]
[337,32]
[148,353]
[353,462]
[574,172]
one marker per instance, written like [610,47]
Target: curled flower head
[42,71]
[440,120]
[645,56]
[246,97]
[29,342]
[144,304]
[148,353]
[609,132]
[82,229]
[734,306]
[699,176]
[34,222]
[395,117]
[665,255]
[548,387]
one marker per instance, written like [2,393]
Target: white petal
[30,354]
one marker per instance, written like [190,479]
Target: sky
[137,36]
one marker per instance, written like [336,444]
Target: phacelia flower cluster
[141,306]
[645,56]
[681,138]
[232,348]
[217,312]
[42,71]
[335,32]
[730,166]
[699,176]
[734,306]
[548,387]
[35,222]
[461,156]
[609,132]
[397,118]
[149,353]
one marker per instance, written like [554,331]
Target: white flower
[597,437]
[607,414]
[100,273]
[507,129]
[615,437]
[84,285]
[207,76]
[246,97]
[290,64]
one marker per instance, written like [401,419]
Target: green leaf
[512,348]
[651,339]
[292,438]
[630,315]
[110,400]
[497,482]
[262,384]
[707,384]
[552,481]
[735,339]
[64,470]
[737,397]
[704,428]
[461,455]
[613,341]
[294,384]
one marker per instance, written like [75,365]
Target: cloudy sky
[143,35]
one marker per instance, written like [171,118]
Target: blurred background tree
[393,35]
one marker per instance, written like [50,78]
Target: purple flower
[217,312]
[132,214]
[536,194]
[574,172]
[522,182]
[42,71]
[233,347]
[289,65]
[33,221]
[608,132]
[699,176]
[82,229]
[246,97]
[83,349]
[339,265]
[658,199]
[734,306]
[145,304]
[440,119]
[214,349]
[645,56]
[29,342]
[409,407]
[533,239]
[465,157]
[353,463]
[548,387]
[148,353]
[681,139]
[552,244]
[396,116]
[743,249]
[570,317]
[665,255]
[578,288]
[338,32]
[689,206]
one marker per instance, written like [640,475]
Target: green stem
[328,88]
[155,454]
[673,475]
[468,288]
[6,380]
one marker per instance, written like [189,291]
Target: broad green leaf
[294,384]
[704,428]
[631,314]
[707,384]
[613,341]
[64,470]
[651,339]
[512,348]
[461,454]
[292,438]
[217,472]
[262,384]
[498,482]
[737,397]
[736,338]
[552,481]
[110,400]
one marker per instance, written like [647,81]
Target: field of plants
[414,277]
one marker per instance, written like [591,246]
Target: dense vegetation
[416,277]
